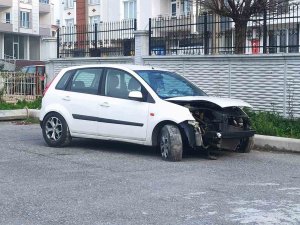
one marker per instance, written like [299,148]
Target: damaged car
[141,105]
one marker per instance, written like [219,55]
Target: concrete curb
[280,144]
[18,114]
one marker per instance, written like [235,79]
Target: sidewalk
[261,142]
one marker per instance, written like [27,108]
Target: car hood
[222,102]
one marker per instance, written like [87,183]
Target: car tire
[170,143]
[55,130]
[246,145]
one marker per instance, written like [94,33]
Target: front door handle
[66,98]
[104,104]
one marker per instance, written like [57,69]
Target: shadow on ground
[134,149]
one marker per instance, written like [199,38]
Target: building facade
[95,11]
[23,24]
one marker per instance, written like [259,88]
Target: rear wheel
[245,145]
[55,130]
[170,143]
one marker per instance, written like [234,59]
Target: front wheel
[170,143]
[245,145]
[55,130]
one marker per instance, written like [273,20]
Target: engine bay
[220,127]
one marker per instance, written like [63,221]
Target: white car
[142,105]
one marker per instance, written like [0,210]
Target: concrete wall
[54,66]
[268,82]
[48,49]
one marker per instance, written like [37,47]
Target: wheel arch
[159,126]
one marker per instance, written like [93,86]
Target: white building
[23,24]
[116,10]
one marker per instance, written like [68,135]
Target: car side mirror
[135,95]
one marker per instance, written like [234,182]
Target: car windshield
[169,85]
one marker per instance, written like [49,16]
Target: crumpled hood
[222,102]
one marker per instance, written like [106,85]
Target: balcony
[5,4]
[6,26]
[44,6]
[45,31]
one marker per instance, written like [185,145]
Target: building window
[173,8]
[94,2]
[44,1]
[185,7]
[69,4]
[130,9]
[14,46]
[94,19]
[25,1]
[24,19]
[70,30]
[69,22]
[7,17]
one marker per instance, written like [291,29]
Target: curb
[18,114]
[280,144]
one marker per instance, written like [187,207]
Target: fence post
[135,24]
[265,31]
[206,37]
[57,43]
[150,28]
[96,37]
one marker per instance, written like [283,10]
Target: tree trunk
[240,36]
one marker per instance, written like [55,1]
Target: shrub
[21,104]
[273,124]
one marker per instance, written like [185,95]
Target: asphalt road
[95,182]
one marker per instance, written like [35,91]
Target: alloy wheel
[53,129]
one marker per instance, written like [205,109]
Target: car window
[119,83]
[24,69]
[86,81]
[40,70]
[31,69]
[63,82]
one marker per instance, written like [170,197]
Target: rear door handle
[104,104]
[66,98]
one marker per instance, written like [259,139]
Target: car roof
[116,66]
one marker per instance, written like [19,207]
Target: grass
[269,123]
[36,104]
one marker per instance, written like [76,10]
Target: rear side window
[62,84]
[86,81]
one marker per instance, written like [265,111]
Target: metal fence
[15,86]
[97,40]
[275,30]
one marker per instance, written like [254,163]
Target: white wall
[15,15]
[48,49]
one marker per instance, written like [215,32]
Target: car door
[121,117]
[82,100]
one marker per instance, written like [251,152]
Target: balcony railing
[45,30]
[5,25]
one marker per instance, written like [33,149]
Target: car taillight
[47,87]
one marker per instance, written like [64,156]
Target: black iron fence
[97,40]
[274,31]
